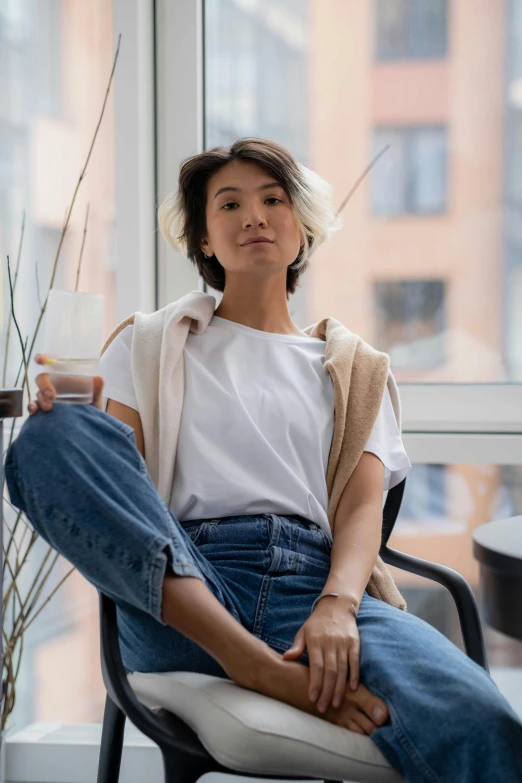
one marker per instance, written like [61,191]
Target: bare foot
[288,681]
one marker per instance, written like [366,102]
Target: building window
[411,177]
[411,28]
[410,318]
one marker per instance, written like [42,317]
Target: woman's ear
[207,252]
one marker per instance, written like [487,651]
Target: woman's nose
[255,219]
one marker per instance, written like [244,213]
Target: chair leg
[176,772]
[111,743]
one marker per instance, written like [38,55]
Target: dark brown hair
[182,215]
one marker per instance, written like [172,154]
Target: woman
[236,477]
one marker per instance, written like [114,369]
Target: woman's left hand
[332,639]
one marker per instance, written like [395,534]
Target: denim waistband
[297,517]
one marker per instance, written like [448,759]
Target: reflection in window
[411,176]
[410,321]
[411,28]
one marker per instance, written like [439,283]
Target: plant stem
[14,291]
[81,250]
[18,329]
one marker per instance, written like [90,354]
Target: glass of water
[72,343]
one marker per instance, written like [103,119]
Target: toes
[364,722]
[353,726]
[379,713]
[374,708]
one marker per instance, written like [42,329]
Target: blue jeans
[76,473]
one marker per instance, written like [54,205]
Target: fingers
[353,657]
[46,391]
[342,673]
[43,401]
[315,658]
[329,680]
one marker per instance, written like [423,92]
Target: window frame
[179,50]
[135,152]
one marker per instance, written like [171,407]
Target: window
[45,135]
[256,72]
[425,501]
[441,507]
[411,28]
[410,322]
[411,176]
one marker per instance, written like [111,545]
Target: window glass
[428,170]
[442,506]
[390,175]
[428,264]
[436,205]
[410,322]
[56,57]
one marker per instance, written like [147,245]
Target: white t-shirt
[256,423]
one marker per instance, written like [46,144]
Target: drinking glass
[72,343]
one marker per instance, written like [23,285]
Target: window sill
[68,753]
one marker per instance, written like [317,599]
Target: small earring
[206,255]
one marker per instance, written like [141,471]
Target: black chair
[185,759]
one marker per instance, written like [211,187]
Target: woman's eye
[235,204]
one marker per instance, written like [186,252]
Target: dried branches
[23,602]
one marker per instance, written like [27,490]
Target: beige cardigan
[359,374]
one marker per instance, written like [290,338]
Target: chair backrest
[391,510]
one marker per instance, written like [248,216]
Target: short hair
[182,215]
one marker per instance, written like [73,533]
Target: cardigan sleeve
[386,443]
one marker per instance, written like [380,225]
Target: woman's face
[244,201]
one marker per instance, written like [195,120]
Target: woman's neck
[272,318]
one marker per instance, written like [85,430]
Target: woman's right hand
[46,391]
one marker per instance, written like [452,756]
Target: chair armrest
[461,592]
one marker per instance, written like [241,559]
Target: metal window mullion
[179,99]
[134,153]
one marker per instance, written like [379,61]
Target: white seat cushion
[252,733]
